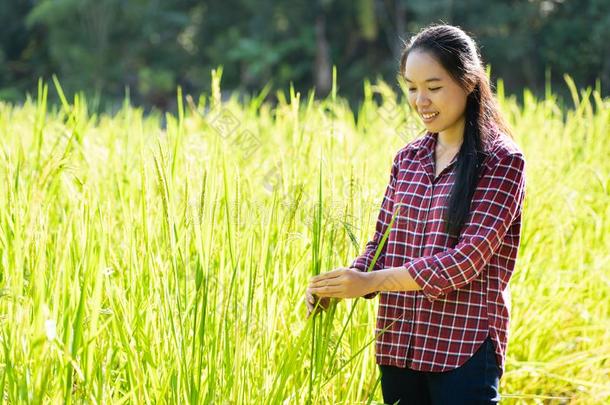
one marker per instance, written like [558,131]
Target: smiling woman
[457,194]
[431,91]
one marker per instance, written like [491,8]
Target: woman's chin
[434,126]
[431,127]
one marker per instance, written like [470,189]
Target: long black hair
[459,55]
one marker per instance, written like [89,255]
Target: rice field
[149,258]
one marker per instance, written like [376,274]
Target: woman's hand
[341,283]
[312,299]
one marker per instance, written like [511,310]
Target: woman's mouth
[428,117]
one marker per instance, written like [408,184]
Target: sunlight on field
[165,258]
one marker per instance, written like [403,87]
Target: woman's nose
[422,100]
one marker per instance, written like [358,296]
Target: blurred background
[146,48]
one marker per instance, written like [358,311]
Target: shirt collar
[425,150]
[428,142]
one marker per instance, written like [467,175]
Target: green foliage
[103,47]
[142,263]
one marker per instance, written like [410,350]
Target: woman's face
[437,98]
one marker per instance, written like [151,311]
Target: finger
[327,291]
[312,311]
[325,283]
[310,297]
[330,274]
[326,276]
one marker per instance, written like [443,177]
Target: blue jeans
[474,382]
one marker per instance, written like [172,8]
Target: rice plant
[148,258]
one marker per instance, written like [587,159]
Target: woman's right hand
[311,300]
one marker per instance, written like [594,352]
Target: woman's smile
[428,117]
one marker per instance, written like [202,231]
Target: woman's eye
[412,89]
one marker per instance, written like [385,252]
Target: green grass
[143,263]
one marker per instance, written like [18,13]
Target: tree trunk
[322,68]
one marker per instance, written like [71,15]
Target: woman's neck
[453,136]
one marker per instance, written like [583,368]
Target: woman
[452,212]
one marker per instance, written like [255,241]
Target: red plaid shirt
[465,293]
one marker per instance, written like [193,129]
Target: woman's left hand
[342,282]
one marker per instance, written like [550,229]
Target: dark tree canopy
[103,47]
